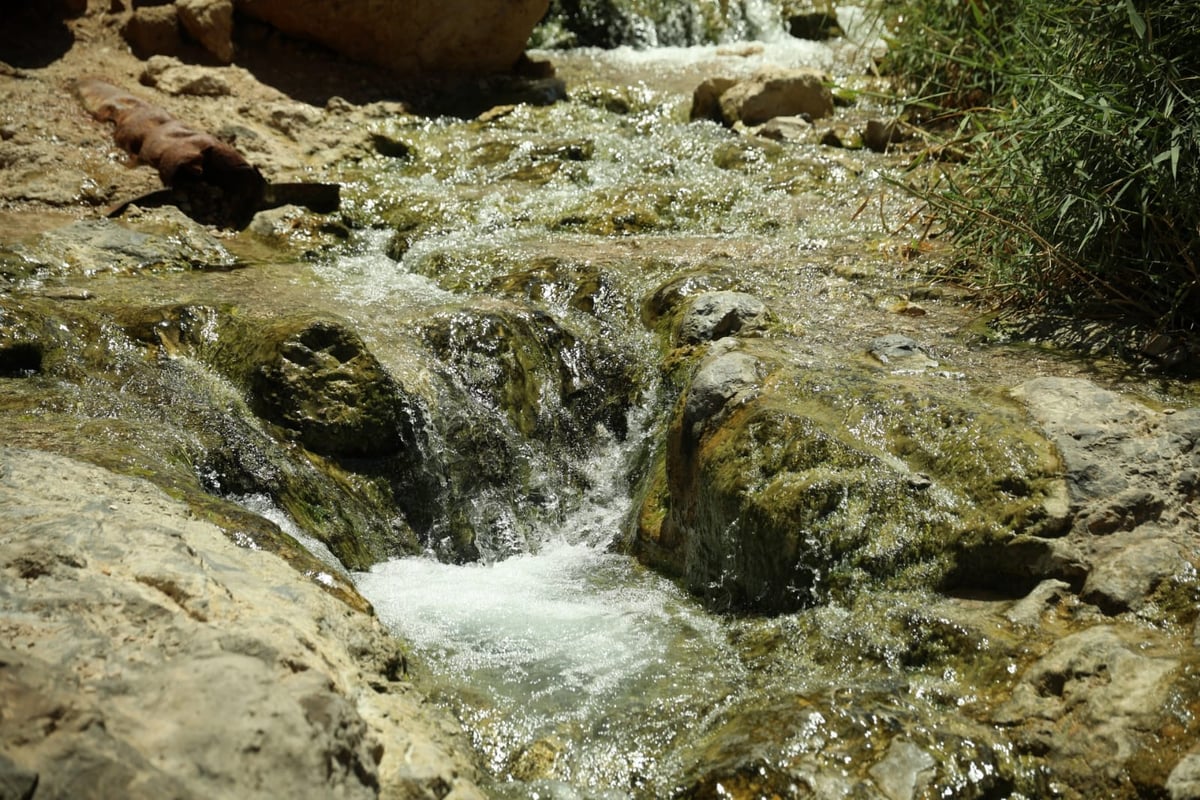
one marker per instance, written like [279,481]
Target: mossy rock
[109,391]
[813,485]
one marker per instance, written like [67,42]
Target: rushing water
[576,672]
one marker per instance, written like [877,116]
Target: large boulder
[420,37]
[783,486]
[145,655]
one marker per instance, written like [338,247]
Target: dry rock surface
[145,655]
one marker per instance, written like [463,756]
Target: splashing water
[573,667]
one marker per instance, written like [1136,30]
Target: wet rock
[210,22]
[1125,579]
[1184,781]
[667,299]
[841,137]
[900,352]
[904,771]
[119,675]
[787,129]
[722,376]
[777,93]
[90,246]
[1028,610]
[715,315]
[547,382]
[487,36]
[16,783]
[153,30]
[879,135]
[1091,705]
[773,498]
[320,382]
[390,146]
[706,98]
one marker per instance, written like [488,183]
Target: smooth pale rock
[903,771]
[1184,781]
[210,22]
[145,656]
[425,37]
[777,93]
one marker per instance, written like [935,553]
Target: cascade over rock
[423,37]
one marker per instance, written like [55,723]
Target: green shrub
[1083,185]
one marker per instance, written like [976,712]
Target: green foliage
[1080,118]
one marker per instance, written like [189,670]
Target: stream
[577,672]
[679,459]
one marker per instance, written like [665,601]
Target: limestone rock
[428,37]
[145,655]
[170,75]
[904,771]
[706,99]
[787,129]
[777,93]
[1130,476]
[1184,781]
[1093,703]
[210,22]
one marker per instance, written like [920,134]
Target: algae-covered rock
[87,247]
[322,383]
[123,388]
[786,487]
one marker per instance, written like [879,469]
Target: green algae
[827,482]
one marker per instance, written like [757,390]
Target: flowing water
[577,672]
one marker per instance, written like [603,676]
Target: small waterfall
[570,665]
[665,23]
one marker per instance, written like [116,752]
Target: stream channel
[578,672]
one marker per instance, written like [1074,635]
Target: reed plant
[1081,190]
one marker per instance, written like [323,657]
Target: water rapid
[574,669]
